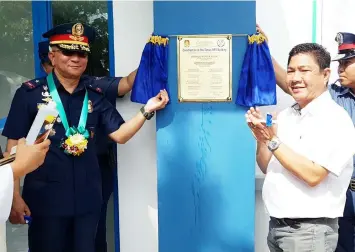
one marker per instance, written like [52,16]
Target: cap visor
[339,57]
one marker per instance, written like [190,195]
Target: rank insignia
[46,95]
[29,84]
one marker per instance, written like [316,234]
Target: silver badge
[339,38]
[52,132]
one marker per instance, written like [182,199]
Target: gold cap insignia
[77,30]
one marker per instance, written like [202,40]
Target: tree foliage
[16,38]
[16,33]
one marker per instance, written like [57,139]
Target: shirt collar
[314,106]
[345,91]
[57,83]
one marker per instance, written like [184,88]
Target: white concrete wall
[286,23]
[137,177]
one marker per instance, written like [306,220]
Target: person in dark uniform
[344,95]
[112,88]
[43,49]
[65,195]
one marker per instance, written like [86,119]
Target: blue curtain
[152,73]
[257,83]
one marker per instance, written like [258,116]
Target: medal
[76,142]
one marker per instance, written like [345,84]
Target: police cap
[346,46]
[71,37]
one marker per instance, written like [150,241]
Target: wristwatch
[274,144]
[147,115]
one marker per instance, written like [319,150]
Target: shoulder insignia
[32,84]
[29,84]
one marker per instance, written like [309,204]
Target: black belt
[352,184]
[297,221]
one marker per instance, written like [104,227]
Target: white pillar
[137,174]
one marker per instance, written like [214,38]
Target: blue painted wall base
[206,153]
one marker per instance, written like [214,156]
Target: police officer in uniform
[43,49]
[65,194]
[344,95]
[111,87]
[107,149]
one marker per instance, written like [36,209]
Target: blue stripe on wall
[2,123]
[111,38]
[111,49]
[42,22]
[206,154]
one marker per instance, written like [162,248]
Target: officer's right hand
[29,157]
[19,210]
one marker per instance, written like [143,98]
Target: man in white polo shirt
[307,156]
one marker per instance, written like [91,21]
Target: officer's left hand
[258,29]
[258,126]
[158,102]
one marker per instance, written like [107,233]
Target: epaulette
[33,84]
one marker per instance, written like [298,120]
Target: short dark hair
[46,61]
[320,54]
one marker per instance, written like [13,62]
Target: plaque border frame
[229,38]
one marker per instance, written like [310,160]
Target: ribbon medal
[76,142]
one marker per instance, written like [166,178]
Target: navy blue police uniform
[107,156]
[106,148]
[346,98]
[65,193]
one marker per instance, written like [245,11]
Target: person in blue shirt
[111,87]
[344,95]
[64,196]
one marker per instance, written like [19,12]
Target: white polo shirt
[324,133]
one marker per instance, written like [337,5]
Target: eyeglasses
[72,53]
